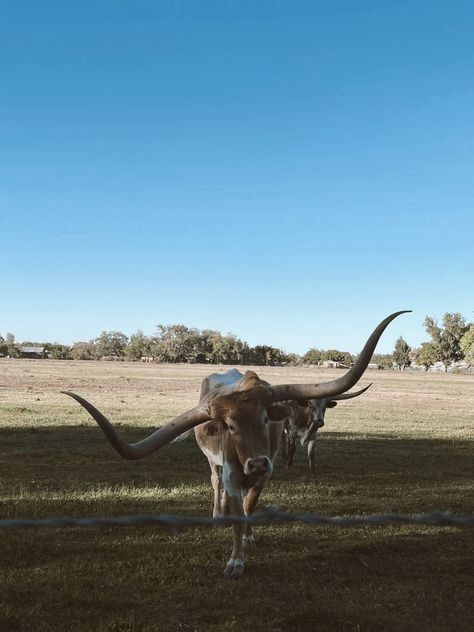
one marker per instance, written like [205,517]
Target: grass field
[407,445]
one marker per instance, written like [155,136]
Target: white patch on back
[229,378]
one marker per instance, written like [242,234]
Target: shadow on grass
[394,458]
[298,578]
[353,475]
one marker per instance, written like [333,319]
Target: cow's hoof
[234,568]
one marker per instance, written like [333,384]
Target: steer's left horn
[155,440]
[344,383]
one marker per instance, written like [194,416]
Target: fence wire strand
[271,515]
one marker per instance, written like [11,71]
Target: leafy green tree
[344,357]
[426,355]
[10,342]
[57,351]
[3,346]
[313,356]
[83,351]
[467,344]
[227,349]
[293,359]
[401,354]
[446,339]
[383,360]
[266,355]
[333,355]
[204,347]
[138,346]
[111,343]
[175,343]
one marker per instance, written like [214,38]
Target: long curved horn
[344,383]
[350,395]
[154,441]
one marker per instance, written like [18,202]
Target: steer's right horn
[155,440]
[350,395]
[341,385]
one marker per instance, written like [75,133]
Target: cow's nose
[258,465]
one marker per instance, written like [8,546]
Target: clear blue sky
[291,172]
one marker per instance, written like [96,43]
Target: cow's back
[218,380]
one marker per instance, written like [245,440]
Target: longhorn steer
[306,417]
[238,424]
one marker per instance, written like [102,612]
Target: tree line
[450,342]
[175,344]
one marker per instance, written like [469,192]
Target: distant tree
[111,343]
[334,355]
[426,355]
[293,359]
[401,354]
[383,360]
[138,346]
[83,351]
[175,343]
[265,355]
[227,349]
[446,339]
[467,344]
[57,351]
[206,342]
[313,356]
[3,346]
[10,342]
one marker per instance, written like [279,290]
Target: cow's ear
[331,404]
[278,413]
[216,427]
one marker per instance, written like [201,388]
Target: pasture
[405,446]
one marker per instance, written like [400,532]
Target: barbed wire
[270,515]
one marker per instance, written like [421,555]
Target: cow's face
[309,416]
[245,415]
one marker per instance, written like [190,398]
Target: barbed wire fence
[269,516]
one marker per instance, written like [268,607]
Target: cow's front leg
[233,486]
[284,445]
[235,566]
[250,502]
[311,450]
[291,451]
[216,483]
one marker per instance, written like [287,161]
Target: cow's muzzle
[310,433]
[259,465]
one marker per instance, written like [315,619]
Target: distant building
[36,353]
[333,364]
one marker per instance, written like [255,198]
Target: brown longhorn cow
[238,423]
[305,419]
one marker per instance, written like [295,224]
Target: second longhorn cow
[238,424]
[305,419]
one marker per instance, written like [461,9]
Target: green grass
[407,448]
